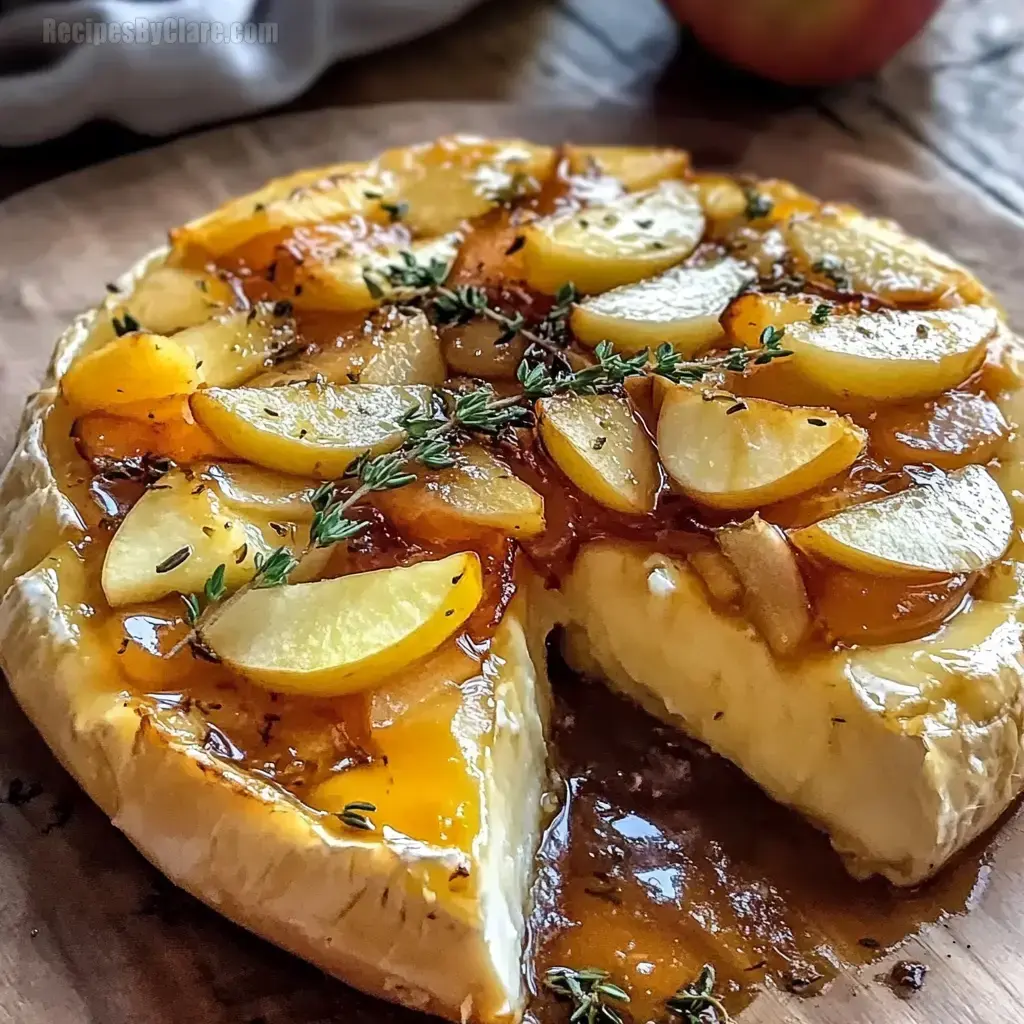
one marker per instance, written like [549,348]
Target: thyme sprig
[458,305]
[611,369]
[697,1003]
[588,990]
[429,444]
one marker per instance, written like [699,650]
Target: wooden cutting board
[89,933]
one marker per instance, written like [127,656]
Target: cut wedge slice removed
[479,491]
[681,306]
[309,429]
[601,247]
[889,356]
[961,524]
[599,445]
[346,634]
[734,454]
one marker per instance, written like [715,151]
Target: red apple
[805,42]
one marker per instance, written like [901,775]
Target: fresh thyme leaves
[831,266]
[272,570]
[758,204]
[215,585]
[192,608]
[588,990]
[128,325]
[821,314]
[425,281]
[697,1003]
[354,815]
[612,369]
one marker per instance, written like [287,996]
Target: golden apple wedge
[851,252]
[635,167]
[961,524]
[136,367]
[599,445]
[308,429]
[734,454]
[681,306]
[170,298]
[459,177]
[234,347]
[347,634]
[262,492]
[892,355]
[745,318]
[626,240]
[479,491]
[341,284]
[173,539]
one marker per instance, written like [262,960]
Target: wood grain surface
[89,933]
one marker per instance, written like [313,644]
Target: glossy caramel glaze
[665,857]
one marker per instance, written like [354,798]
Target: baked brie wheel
[289,525]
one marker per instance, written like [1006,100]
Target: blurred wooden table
[958,89]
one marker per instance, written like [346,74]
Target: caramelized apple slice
[173,539]
[681,306]
[444,183]
[604,246]
[851,252]
[231,349]
[169,299]
[402,349]
[950,432]
[774,596]
[346,634]
[169,431]
[597,442]
[262,492]
[636,167]
[474,349]
[342,283]
[745,318]
[733,454]
[480,491]
[314,429]
[311,197]
[888,356]
[136,367]
[961,524]
[721,197]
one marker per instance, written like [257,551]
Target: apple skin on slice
[601,247]
[892,355]
[347,634]
[961,524]
[733,454]
[681,306]
[597,442]
[309,429]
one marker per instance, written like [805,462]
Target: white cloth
[55,76]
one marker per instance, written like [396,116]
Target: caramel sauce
[665,857]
